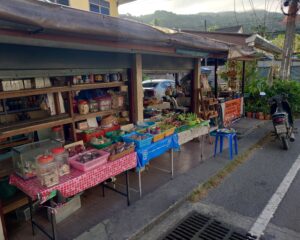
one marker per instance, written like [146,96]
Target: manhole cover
[199,227]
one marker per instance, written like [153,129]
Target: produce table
[189,135]
[146,154]
[75,183]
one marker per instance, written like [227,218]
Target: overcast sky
[142,7]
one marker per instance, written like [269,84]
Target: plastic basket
[170,131]
[86,136]
[158,137]
[101,146]
[146,124]
[139,143]
[91,164]
[113,128]
[182,128]
[115,136]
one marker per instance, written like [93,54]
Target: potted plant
[248,111]
[267,114]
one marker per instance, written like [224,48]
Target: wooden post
[196,85]
[243,78]
[137,89]
[288,47]
[57,103]
[3,234]
[71,113]
[216,78]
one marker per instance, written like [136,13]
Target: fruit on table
[189,117]
[156,130]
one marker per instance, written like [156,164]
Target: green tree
[279,41]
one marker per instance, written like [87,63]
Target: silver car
[157,87]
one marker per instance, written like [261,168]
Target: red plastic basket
[86,137]
[114,128]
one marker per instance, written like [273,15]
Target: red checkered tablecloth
[76,181]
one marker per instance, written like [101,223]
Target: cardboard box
[6,85]
[15,85]
[47,82]
[20,84]
[39,82]
[27,83]
[82,125]
[65,210]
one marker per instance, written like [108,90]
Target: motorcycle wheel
[285,143]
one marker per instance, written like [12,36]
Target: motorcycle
[282,119]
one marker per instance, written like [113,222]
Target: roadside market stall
[243,48]
[78,76]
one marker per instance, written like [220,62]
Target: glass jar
[57,134]
[83,107]
[93,105]
[47,171]
[61,157]
[104,103]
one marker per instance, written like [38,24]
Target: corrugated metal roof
[51,18]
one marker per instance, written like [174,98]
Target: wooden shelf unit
[12,204]
[79,117]
[71,118]
[40,91]
[87,86]
[32,92]
[31,126]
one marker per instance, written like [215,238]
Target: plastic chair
[232,139]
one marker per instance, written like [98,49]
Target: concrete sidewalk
[134,221]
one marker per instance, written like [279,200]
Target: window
[100,6]
[150,85]
[61,2]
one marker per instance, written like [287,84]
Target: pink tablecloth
[76,181]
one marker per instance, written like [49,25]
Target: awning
[35,17]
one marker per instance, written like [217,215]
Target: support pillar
[196,84]
[216,78]
[137,89]
[243,78]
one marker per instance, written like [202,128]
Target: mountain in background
[259,21]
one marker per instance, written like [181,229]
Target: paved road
[248,196]
[242,197]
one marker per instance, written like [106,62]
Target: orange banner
[232,110]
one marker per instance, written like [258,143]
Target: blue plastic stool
[232,139]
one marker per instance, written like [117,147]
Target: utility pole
[289,38]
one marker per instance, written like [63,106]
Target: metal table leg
[127,188]
[53,235]
[140,183]
[31,215]
[201,146]
[172,163]
[53,225]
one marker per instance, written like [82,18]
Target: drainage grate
[199,227]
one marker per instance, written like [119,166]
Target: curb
[181,201]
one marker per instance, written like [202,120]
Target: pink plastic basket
[91,164]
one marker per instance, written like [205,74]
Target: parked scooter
[282,119]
